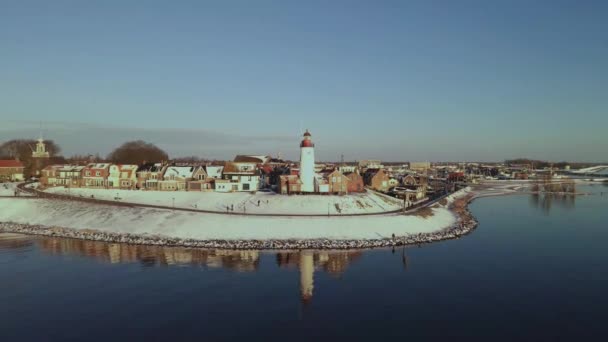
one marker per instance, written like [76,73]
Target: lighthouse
[307,163]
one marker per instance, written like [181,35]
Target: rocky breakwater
[464,224]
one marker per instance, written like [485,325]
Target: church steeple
[40,151]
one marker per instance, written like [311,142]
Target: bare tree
[137,152]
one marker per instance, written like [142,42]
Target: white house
[176,177]
[239,177]
[122,176]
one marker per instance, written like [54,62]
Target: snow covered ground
[8,189]
[269,203]
[179,224]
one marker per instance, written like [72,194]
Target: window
[245,186]
[97,173]
[333,179]
[88,173]
[201,177]
[235,187]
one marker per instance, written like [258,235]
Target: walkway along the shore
[42,194]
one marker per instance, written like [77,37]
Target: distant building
[420,166]
[370,164]
[252,159]
[11,170]
[347,168]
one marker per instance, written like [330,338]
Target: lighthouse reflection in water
[307,262]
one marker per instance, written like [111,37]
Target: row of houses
[329,181]
[232,176]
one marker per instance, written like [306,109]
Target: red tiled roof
[10,163]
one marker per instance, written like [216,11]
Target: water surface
[535,269]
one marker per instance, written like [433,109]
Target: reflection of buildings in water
[14,241]
[332,262]
[307,261]
[152,255]
[545,202]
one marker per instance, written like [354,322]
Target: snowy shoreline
[445,221]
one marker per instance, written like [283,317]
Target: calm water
[535,269]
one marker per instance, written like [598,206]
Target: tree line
[131,152]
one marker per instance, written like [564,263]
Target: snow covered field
[8,189]
[179,224]
[269,203]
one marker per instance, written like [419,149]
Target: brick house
[290,184]
[49,175]
[69,176]
[376,179]
[148,176]
[95,175]
[355,183]
[338,183]
[11,170]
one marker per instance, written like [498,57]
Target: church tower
[307,163]
[40,151]
[40,157]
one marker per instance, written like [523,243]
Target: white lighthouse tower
[307,164]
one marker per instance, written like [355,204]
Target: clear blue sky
[395,80]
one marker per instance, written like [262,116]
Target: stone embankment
[465,223]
